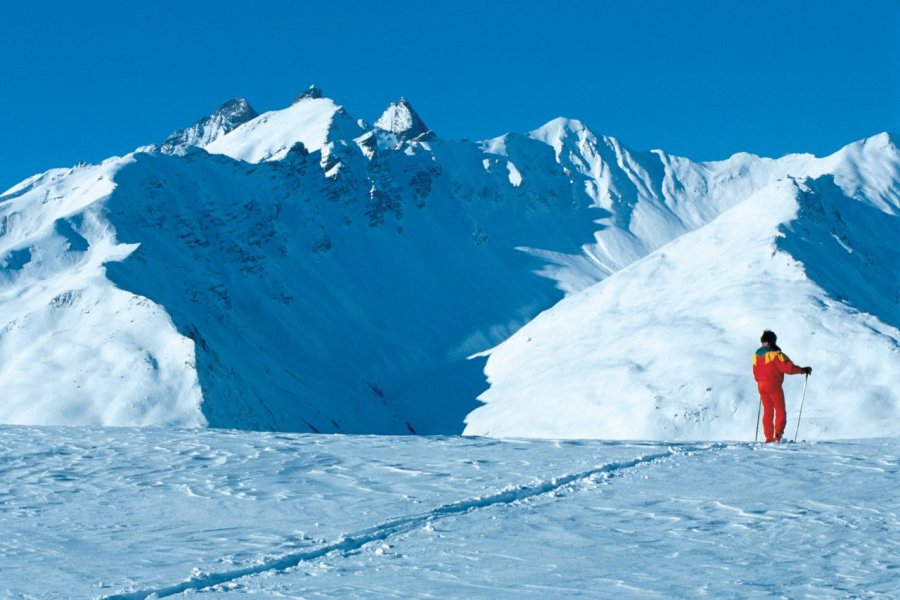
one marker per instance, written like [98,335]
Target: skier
[770,365]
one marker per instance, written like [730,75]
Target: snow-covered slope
[152,513]
[300,270]
[661,349]
[333,307]
[74,347]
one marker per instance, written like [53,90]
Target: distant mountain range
[302,270]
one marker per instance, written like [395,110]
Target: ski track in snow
[350,543]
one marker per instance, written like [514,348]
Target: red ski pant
[774,417]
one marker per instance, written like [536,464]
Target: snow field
[123,513]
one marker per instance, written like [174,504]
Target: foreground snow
[132,513]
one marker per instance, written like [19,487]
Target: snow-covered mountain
[301,270]
[661,349]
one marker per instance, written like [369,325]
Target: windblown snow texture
[154,513]
[299,270]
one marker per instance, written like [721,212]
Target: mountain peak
[311,92]
[883,139]
[235,107]
[400,118]
[559,129]
[227,117]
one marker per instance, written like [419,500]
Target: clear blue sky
[85,80]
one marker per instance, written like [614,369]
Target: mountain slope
[76,349]
[296,295]
[661,349]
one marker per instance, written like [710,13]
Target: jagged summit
[236,107]
[312,92]
[226,118]
[401,119]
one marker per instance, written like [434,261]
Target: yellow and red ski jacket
[770,365]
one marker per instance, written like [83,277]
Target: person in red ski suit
[770,365]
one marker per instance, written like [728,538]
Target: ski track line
[354,541]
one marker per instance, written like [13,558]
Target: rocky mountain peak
[401,119]
[227,117]
[312,92]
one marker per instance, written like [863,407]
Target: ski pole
[758,409]
[800,414]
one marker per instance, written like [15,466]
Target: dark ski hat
[768,337]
